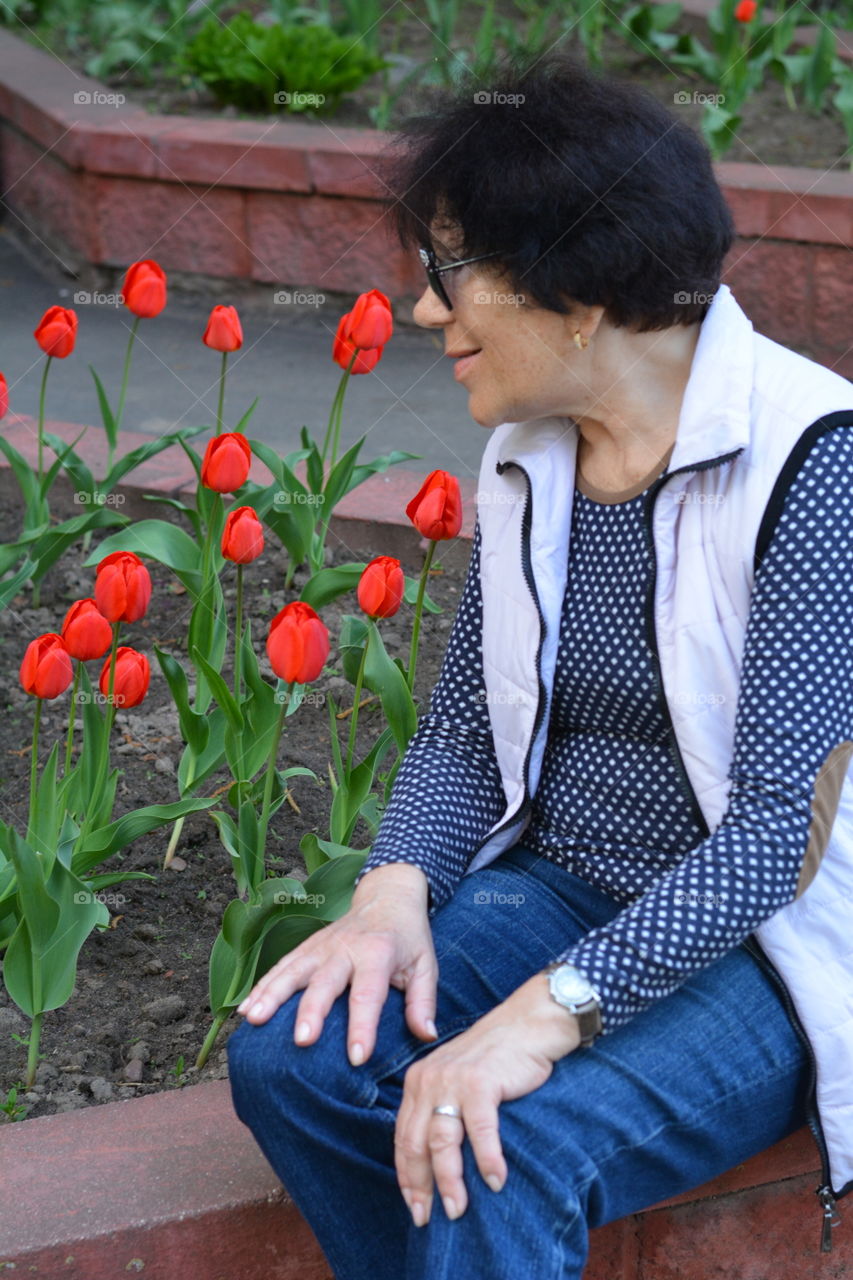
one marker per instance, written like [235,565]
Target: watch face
[571,985]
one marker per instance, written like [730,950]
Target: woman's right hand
[383,939]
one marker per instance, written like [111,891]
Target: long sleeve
[795,706]
[447,793]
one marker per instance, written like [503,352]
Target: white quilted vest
[747,404]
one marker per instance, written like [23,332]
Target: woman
[601,947]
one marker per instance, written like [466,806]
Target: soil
[139,1012]
[770,133]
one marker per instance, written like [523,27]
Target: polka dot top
[609,805]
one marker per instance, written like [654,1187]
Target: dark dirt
[140,1001]
[770,132]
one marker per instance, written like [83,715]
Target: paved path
[409,402]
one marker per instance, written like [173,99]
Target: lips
[459,355]
[463,364]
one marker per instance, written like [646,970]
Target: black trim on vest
[790,469]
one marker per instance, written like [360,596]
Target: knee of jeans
[265,1054]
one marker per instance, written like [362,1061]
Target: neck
[643,377]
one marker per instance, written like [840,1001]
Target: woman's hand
[506,1054]
[383,939]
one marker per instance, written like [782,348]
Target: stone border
[300,206]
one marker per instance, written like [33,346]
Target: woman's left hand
[506,1054]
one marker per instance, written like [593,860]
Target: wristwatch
[574,992]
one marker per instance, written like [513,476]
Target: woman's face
[527,364]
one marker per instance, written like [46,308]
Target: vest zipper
[526,522]
[824,1192]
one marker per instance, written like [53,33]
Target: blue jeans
[693,1085]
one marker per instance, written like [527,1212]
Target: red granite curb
[285,203]
[174,1185]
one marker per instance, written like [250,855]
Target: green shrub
[261,68]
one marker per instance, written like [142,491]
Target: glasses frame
[434,269]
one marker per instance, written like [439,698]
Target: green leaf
[106,412]
[159,541]
[74,465]
[195,728]
[221,692]
[328,584]
[135,457]
[99,844]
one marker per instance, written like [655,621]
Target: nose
[429,311]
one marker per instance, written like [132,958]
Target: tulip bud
[46,669]
[745,10]
[380,587]
[243,536]
[226,462]
[223,332]
[298,643]
[4,396]
[436,509]
[122,587]
[133,673]
[85,631]
[370,321]
[57,332]
[343,347]
[144,288]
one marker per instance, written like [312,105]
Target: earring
[580,343]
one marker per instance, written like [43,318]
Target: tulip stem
[359,680]
[285,695]
[31,821]
[120,410]
[419,605]
[33,1050]
[41,422]
[104,759]
[238,639]
[336,412]
[220,406]
[72,716]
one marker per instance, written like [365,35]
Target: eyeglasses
[434,269]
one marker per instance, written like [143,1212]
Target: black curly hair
[591,190]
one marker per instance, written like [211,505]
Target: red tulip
[298,643]
[4,396]
[243,536]
[370,321]
[343,347]
[122,587]
[745,10]
[85,631]
[223,332]
[144,288]
[226,462]
[380,587]
[133,673]
[46,669]
[436,509]
[57,331]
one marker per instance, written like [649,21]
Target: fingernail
[257,1008]
[430,1026]
[494,1182]
[242,1005]
[356,1054]
[303,1031]
[418,1213]
[449,1206]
